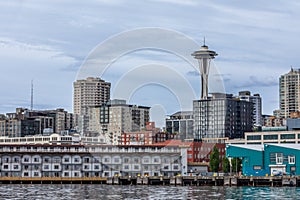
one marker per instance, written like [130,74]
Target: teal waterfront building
[267,159]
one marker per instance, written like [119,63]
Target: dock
[271,181]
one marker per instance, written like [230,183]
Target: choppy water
[75,192]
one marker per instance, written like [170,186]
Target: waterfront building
[182,124]
[256,101]
[88,92]
[76,161]
[268,137]
[289,92]
[56,139]
[220,116]
[267,159]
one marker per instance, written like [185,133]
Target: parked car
[277,173]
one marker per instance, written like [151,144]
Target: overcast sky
[48,41]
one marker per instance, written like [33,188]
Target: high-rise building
[88,92]
[116,117]
[289,93]
[257,106]
[221,115]
[182,124]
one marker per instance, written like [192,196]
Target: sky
[52,41]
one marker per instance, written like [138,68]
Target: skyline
[48,42]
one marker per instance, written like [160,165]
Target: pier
[272,181]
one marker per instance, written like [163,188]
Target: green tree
[214,160]
[226,165]
[236,164]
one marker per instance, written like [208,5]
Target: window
[66,174]
[254,137]
[16,166]
[136,160]
[256,167]
[35,174]
[56,166]
[46,166]
[270,137]
[67,160]
[287,136]
[291,159]
[146,160]
[156,160]
[5,167]
[279,158]
[26,174]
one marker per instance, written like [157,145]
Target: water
[79,192]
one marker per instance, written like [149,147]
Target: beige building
[88,92]
[117,117]
[289,93]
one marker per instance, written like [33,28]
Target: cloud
[178,2]
[256,82]
[193,73]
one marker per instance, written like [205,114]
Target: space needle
[204,57]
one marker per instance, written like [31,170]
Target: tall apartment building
[221,115]
[257,106]
[117,117]
[181,123]
[289,93]
[88,92]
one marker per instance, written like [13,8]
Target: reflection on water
[144,192]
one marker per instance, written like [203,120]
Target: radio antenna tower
[31,101]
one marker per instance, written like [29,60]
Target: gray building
[221,115]
[181,123]
[293,124]
[257,106]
